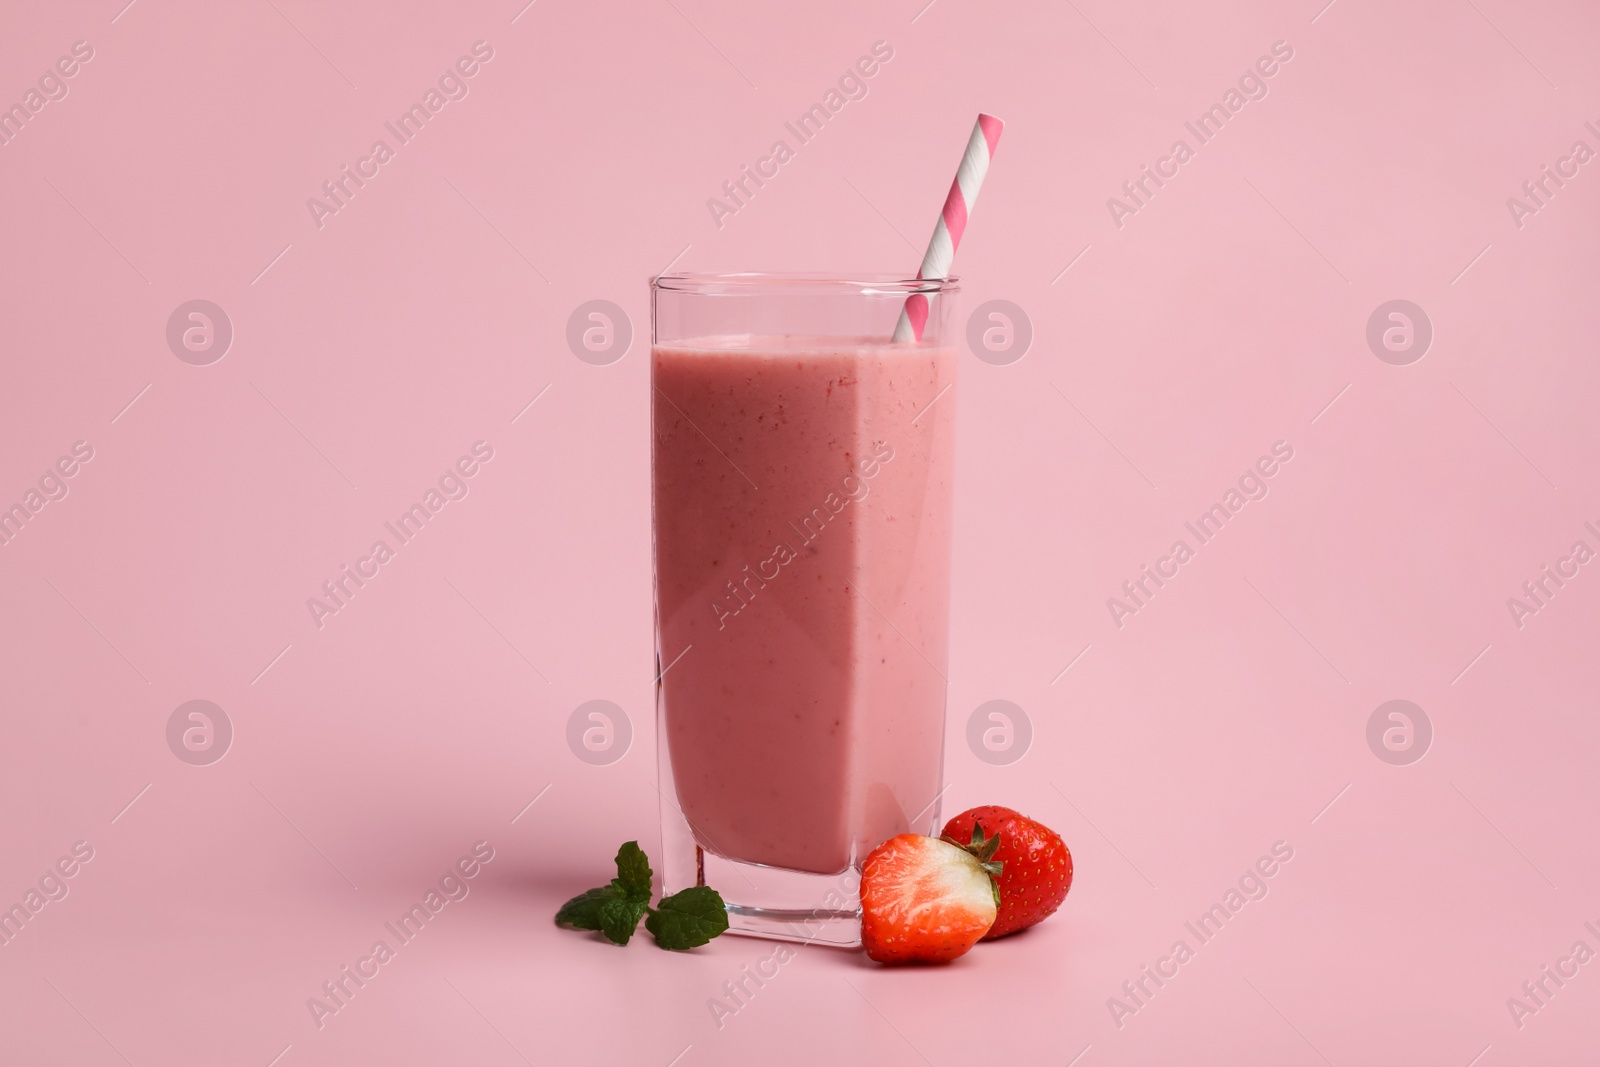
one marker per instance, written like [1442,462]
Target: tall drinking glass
[801,466]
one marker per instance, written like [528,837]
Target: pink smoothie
[802,517]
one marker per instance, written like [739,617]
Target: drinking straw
[952,222]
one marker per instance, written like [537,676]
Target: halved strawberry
[1038,866]
[924,899]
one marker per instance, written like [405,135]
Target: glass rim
[746,283]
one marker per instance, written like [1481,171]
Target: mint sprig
[686,919]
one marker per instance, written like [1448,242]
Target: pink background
[1225,716]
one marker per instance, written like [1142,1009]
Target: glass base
[841,929]
[765,902]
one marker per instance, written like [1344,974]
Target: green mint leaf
[688,918]
[582,912]
[633,873]
[619,916]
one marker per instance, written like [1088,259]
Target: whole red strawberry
[925,900]
[1036,867]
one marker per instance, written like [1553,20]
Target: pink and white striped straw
[952,222]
